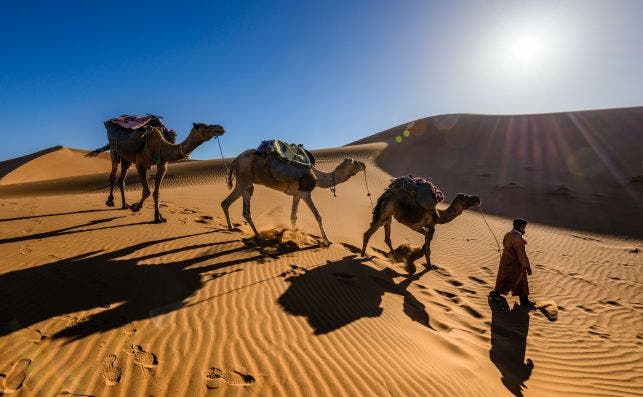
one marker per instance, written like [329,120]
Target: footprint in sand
[294,271]
[449,295]
[142,357]
[31,334]
[205,219]
[16,376]
[216,377]
[477,280]
[111,373]
[472,312]
[455,283]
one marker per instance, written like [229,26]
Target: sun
[526,49]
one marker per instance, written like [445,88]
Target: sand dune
[52,163]
[551,168]
[97,301]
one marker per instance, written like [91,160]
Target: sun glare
[526,49]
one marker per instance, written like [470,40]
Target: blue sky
[318,73]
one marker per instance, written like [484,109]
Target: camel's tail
[231,173]
[98,151]
[377,211]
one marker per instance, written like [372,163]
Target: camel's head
[205,132]
[353,165]
[466,201]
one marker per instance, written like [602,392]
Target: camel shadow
[72,230]
[509,329]
[114,285]
[55,214]
[340,292]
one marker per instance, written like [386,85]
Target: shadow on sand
[55,214]
[115,284]
[339,292]
[509,329]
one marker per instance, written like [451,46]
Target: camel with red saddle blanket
[145,141]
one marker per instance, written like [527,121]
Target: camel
[397,203]
[252,167]
[156,150]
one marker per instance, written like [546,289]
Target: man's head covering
[518,222]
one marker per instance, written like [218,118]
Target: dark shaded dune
[9,165]
[575,169]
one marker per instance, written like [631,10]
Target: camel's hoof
[160,220]
[325,243]
[125,207]
[135,207]
[109,203]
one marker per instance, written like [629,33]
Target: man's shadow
[509,330]
[339,292]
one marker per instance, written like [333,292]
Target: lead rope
[222,159]
[368,192]
[333,188]
[489,227]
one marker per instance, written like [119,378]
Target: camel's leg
[142,175]
[227,202]
[112,179]
[376,224]
[121,181]
[385,214]
[247,195]
[293,213]
[160,173]
[428,236]
[308,199]
[387,234]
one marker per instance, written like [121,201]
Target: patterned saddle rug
[291,153]
[126,132]
[286,162]
[423,190]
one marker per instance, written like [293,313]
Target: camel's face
[354,164]
[467,201]
[206,132]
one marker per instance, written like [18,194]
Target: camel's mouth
[361,166]
[475,201]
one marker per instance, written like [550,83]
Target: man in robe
[514,266]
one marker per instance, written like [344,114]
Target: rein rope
[368,192]
[489,227]
[222,158]
[333,187]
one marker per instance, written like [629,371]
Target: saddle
[286,162]
[425,193]
[127,132]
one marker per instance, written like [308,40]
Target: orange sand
[97,301]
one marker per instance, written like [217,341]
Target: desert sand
[97,301]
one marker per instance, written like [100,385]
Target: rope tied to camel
[333,187]
[368,192]
[222,158]
[489,227]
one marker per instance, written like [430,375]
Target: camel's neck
[446,216]
[163,151]
[328,179]
[190,143]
